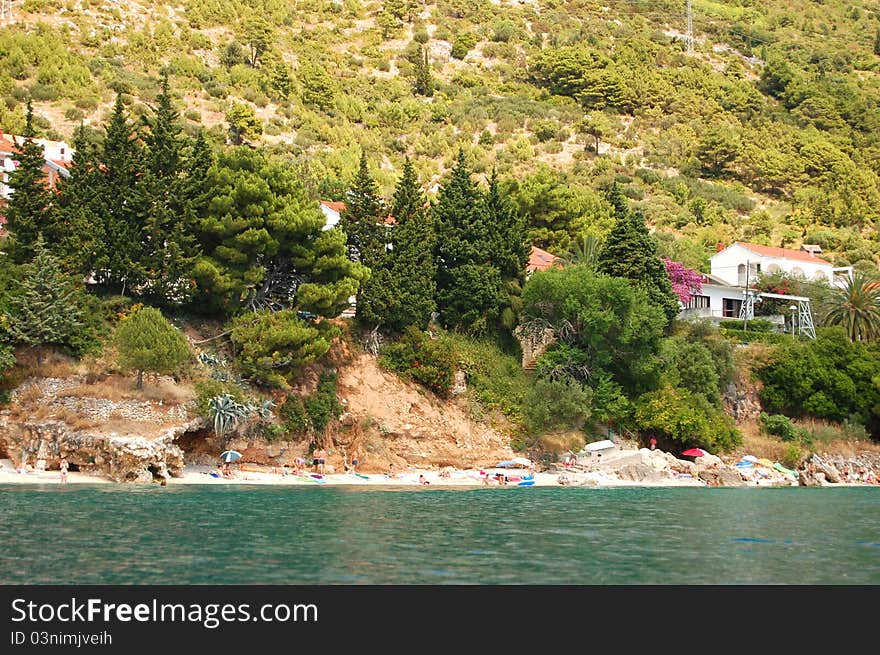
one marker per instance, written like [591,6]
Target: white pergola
[805,315]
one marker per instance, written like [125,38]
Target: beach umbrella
[230,456]
[695,452]
[749,458]
[522,461]
[765,462]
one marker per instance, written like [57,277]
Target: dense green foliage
[417,356]
[602,325]
[146,341]
[769,132]
[680,420]
[273,347]
[831,378]
[28,212]
[44,306]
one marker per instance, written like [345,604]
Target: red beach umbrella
[695,452]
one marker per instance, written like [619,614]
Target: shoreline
[194,474]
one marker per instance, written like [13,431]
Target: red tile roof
[540,260]
[784,253]
[335,206]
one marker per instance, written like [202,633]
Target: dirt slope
[396,420]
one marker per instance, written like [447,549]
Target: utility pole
[690,30]
[746,298]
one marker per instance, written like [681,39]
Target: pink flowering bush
[685,281]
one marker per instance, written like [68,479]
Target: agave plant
[265,409]
[225,412]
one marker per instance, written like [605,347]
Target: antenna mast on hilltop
[690,30]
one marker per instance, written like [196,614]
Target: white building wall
[331,217]
[729,265]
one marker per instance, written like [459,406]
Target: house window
[698,302]
[731,307]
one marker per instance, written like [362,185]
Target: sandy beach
[253,475]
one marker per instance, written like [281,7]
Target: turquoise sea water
[109,534]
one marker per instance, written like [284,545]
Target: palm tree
[582,253]
[856,306]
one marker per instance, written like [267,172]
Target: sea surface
[114,534]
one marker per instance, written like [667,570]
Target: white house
[731,264]
[716,299]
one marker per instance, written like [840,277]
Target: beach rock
[641,473]
[721,477]
[709,461]
[831,473]
[807,479]
[120,458]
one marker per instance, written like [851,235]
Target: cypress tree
[82,245]
[361,219]
[510,249]
[29,210]
[168,224]
[43,309]
[630,252]
[413,266]
[401,290]
[120,203]
[469,287]
[424,82]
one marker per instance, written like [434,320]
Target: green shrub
[779,426]
[323,405]
[294,416]
[430,362]
[553,405]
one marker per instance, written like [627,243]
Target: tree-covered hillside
[768,132]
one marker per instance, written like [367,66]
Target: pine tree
[148,342]
[877,43]
[469,287]
[29,211]
[424,82]
[630,252]
[120,203]
[44,307]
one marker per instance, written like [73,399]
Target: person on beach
[391,474]
[284,470]
[298,464]
[423,479]
[355,460]
[318,460]
[653,443]
[63,466]
[227,472]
